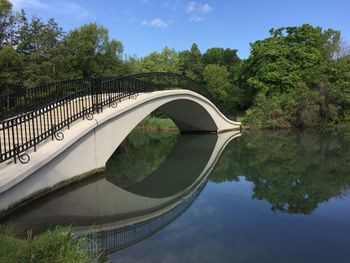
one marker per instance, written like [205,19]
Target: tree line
[297,77]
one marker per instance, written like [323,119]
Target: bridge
[69,129]
[144,211]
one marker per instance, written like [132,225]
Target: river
[264,196]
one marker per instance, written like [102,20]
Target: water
[261,197]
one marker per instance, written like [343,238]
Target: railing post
[19,92]
[96,93]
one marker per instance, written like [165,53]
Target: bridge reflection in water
[119,237]
[125,216]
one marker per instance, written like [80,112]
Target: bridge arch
[190,111]
[89,144]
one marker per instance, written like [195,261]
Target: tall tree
[11,63]
[88,50]
[216,79]
[165,61]
[191,63]
[223,57]
[39,42]
[7,21]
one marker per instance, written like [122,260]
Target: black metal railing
[31,116]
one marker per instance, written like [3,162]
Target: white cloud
[196,18]
[191,7]
[195,7]
[158,23]
[198,11]
[19,4]
[72,9]
[206,8]
[171,4]
[69,8]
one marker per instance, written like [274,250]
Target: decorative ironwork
[88,115]
[23,158]
[30,116]
[133,96]
[114,104]
[59,136]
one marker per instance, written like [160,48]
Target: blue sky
[144,26]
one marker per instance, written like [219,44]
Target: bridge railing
[16,98]
[164,81]
[45,121]
[42,112]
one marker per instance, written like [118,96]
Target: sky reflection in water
[273,197]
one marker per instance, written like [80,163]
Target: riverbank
[52,246]
[157,124]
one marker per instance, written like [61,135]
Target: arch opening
[142,151]
[189,116]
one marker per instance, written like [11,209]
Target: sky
[144,26]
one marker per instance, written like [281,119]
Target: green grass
[54,246]
[154,123]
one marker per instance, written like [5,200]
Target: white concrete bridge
[90,138]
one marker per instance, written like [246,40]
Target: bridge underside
[189,116]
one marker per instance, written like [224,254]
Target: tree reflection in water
[293,171]
[139,155]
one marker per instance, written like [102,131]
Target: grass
[54,246]
[155,123]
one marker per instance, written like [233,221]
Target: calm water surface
[261,197]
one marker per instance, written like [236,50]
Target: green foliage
[154,123]
[294,70]
[39,46]
[52,246]
[10,64]
[35,52]
[132,65]
[191,63]
[223,57]
[166,61]
[216,79]
[7,22]
[88,50]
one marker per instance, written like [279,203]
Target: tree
[191,63]
[39,42]
[88,50]
[11,66]
[292,59]
[166,61]
[132,65]
[223,57]
[7,21]
[216,79]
